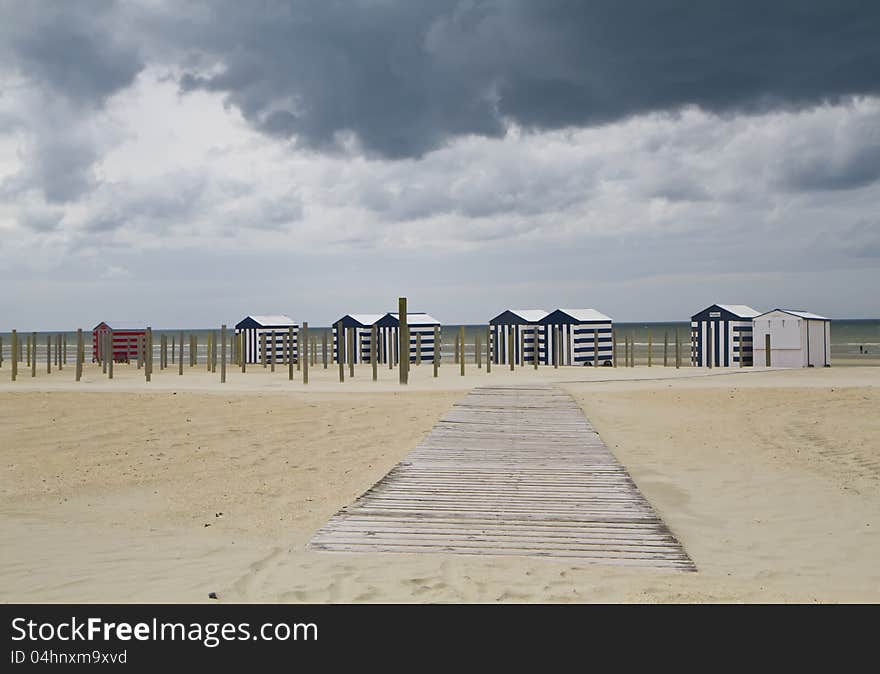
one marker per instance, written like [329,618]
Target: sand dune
[113,491]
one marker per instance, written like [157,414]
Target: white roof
[276,319]
[799,314]
[415,319]
[124,326]
[366,319]
[742,310]
[586,315]
[530,315]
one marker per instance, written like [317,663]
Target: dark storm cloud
[406,76]
[77,49]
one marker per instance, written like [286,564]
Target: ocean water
[856,340]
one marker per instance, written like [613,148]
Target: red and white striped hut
[125,340]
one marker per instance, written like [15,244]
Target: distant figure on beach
[861,349]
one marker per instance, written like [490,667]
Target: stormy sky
[184,164]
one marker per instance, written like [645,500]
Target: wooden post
[48,354]
[461,340]
[436,349]
[63,350]
[290,353]
[80,352]
[403,340]
[522,347]
[33,354]
[223,354]
[418,349]
[214,351]
[59,347]
[110,353]
[324,347]
[1,351]
[767,349]
[180,355]
[303,340]
[709,339]
[15,351]
[456,349]
[299,350]
[650,347]
[352,345]
[536,352]
[666,348]
[567,358]
[193,350]
[742,351]
[556,347]
[242,351]
[677,351]
[489,349]
[511,356]
[340,345]
[263,349]
[271,354]
[28,350]
[477,352]
[173,350]
[148,354]
[613,347]
[374,351]
[596,347]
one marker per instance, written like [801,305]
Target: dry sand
[771,480]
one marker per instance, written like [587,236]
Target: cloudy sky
[187,163]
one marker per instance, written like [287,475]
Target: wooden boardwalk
[513,470]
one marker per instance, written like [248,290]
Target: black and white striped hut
[387,326]
[419,325]
[721,334]
[362,324]
[580,330]
[276,328]
[525,325]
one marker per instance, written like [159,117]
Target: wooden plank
[509,470]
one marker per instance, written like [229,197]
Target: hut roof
[578,316]
[416,318]
[800,314]
[266,321]
[519,316]
[742,310]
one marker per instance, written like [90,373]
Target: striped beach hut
[126,337]
[580,331]
[525,325]
[276,328]
[721,334]
[362,324]
[387,326]
[797,338]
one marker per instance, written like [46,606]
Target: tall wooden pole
[324,347]
[242,350]
[510,345]
[223,354]
[666,348]
[374,351]
[263,349]
[340,347]
[461,340]
[709,344]
[290,353]
[180,355]
[536,351]
[111,356]
[48,354]
[80,353]
[489,349]
[477,351]
[650,347]
[148,354]
[677,350]
[436,349]
[271,354]
[556,347]
[403,340]
[767,349]
[303,338]
[33,354]
[15,351]
[28,350]
[596,347]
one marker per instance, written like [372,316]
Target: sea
[852,340]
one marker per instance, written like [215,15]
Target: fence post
[596,347]
[80,353]
[403,340]
[223,354]
[15,351]
[242,350]
[456,348]
[511,356]
[324,347]
[48,353]
[112,354]
[536,351]
[303,339]
[677,350]
[666,348]
[436,349]
[290,353]
[461,340]
[650,347]
[489,349]
[148,353]
[33,354]
[709,340]
[767,349]
[374,352]
[477,351]
[58,352]
[180,356]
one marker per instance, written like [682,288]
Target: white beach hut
[579,332]
[276,328]
[525,324]
[722,333]
[797,339]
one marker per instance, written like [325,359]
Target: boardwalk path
[509,471]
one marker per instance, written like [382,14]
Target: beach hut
[253,327]
[722,333]
[797,338]
[125,340]
[362,324]
[525,324]
[387,326]
[580,330]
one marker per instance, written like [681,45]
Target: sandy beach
[123,491]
